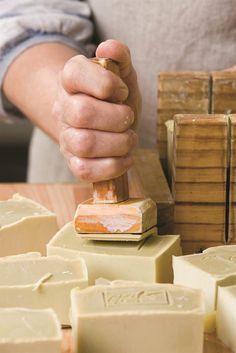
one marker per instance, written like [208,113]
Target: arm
[72,100]
[36,72]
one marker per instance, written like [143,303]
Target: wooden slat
[199,159]
[200,232]
[199,192]
[199,175]
[200,144]
[200,213]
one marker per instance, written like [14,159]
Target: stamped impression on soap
[135,296]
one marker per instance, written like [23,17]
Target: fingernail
[128,161]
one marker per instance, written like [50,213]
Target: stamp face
[136,296]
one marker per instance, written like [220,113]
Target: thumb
[118,52]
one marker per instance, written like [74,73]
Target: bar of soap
[223,92]
[25,226]
[29,331]
[148,261]
[131,216]
[180,92]
[214,267]
[137,318]
[226,316]
[41,282]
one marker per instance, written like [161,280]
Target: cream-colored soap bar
[214,267]
[147,261]
[226,316]
[41,282]
[29,331]
[25,226]
[137,318]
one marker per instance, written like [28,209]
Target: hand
[95,130]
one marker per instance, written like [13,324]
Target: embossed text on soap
[135,296]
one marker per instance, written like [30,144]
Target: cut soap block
[41,282]
[29,331]
[226,316]
[148,261]
[25,226]
[131,216]
[180,92]
[137,318]
[215,267]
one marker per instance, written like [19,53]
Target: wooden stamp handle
[114,190]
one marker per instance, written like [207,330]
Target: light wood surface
[63,199]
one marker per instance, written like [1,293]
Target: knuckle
[81,112]
[115,166]
[124,112]
[82,170]
[85,143]
[127,140]
[68,74]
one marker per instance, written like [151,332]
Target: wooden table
[62,199]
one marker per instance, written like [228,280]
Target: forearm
[31,83]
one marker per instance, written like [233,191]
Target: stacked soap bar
[199,170]
[232,199]
[24,226]
[27,330]
[226,316]
[215,267]
[223,92]
[179,93]
[149,260]
[137,318]
[41,282]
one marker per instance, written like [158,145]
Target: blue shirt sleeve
[24,23]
